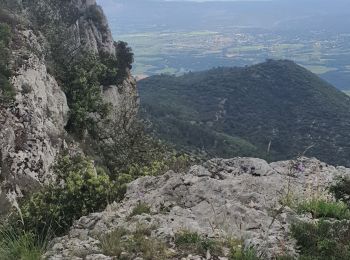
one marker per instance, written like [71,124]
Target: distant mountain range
[275,110]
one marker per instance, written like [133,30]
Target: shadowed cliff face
[32,130]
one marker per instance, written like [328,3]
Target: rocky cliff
[32,130]
[239,198]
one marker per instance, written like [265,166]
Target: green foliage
[320,208]
[241,254]
[77,191]
[138,243]
[111,243]
[231,112]
[111,75]
[194,243]
[22,245]
[6,89]
[128,152]
[323,240]
[153,167]
[141,208]
[125,58]
[82,88]
[341,190]
[238,252]
[171,161]
[95,14]
[82,81]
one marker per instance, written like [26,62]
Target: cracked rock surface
[235,198]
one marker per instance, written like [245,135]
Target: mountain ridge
[276,105]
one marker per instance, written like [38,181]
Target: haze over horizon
[175,36]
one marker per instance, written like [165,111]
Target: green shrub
[141,208]
[320,208]
[112,243]
[341,190]
[82,87]
[165,163]
[95,14]
[191,242]
[130,153]
[82,80]
[22,245]
[138,243]
[323,240]
[125,58]
[238,252]
[7,91]
[241,254]
[77,191]
[111,74]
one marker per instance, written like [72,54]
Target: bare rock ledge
[221,198]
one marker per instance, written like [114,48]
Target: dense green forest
[274,110]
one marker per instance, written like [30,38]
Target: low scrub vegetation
[133,244]
[15,244]
[6,89]
[321,208]
[192,242]
[240,254]
[78,190]
[323,240]
[141,208]
[82,87]
[341,190]
[328,237]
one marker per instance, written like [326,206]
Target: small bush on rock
[133,245]
[7,91]
[191,242]
[22,245]
[324,240]
[237,251]
[241,254]
[321,208]
[125,58]
[141,208]
[341,190]
[78,190]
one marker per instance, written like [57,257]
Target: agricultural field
[176,37]
[179,52]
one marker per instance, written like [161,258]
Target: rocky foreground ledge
[238,198]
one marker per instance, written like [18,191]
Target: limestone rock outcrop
[238,198]
[32,130]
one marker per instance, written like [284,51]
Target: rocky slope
[32,130]
[223,198]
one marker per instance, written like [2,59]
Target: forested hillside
[274,110]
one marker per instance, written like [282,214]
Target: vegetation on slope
[273,110]
[6,90]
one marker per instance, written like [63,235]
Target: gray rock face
[238,198]
[32,130]
[123,98]
[90,30]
